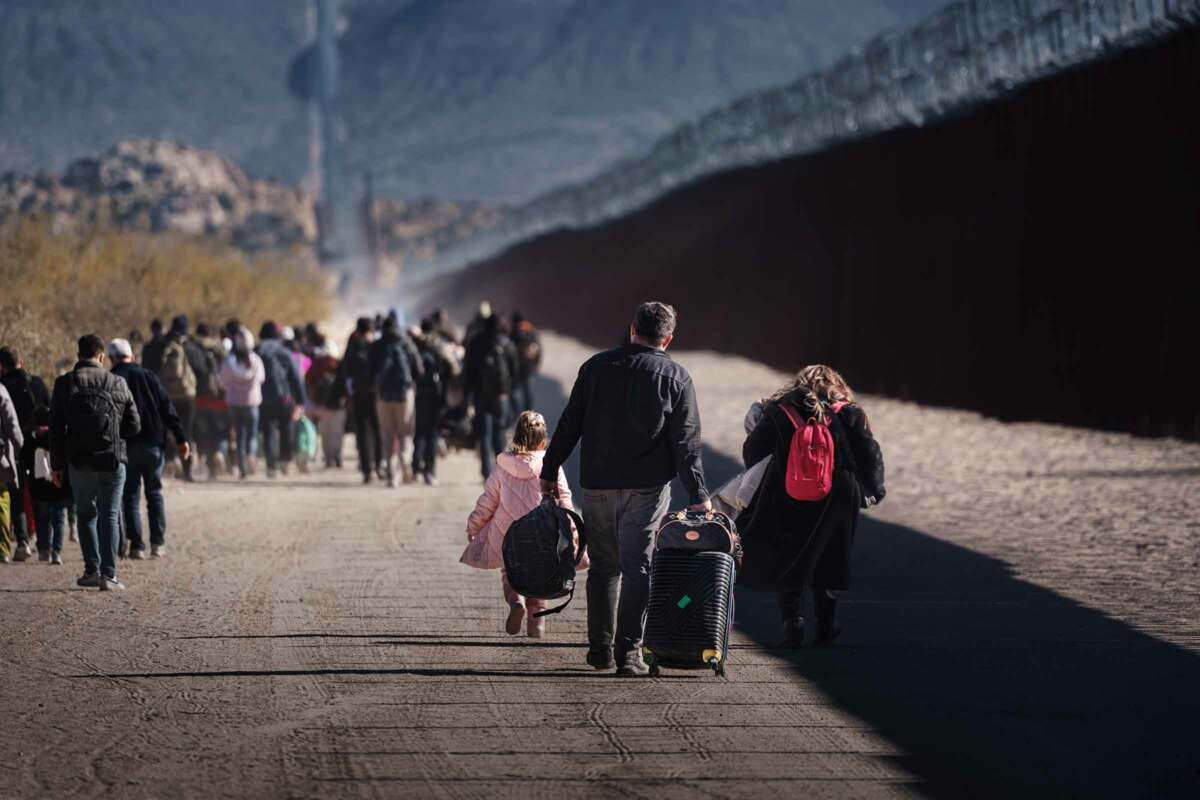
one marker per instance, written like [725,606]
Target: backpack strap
[792,415]
[568,514]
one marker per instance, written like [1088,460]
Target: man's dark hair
[269,330]
[91,347]
[203,330]
[654,322]
[363,326]
[155,327]
[9,358]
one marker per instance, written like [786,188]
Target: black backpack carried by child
[540,555]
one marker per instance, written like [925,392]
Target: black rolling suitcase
[690,614]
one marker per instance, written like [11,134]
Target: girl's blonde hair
[530,435]
[815,387]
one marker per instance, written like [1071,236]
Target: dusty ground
[1024,622]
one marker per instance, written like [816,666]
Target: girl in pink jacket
[512,491]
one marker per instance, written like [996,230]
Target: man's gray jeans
[620,532]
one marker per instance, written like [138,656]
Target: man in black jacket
[359,383]
[28,393]
[489,369]
[147,450]
[92,413]
[635,410]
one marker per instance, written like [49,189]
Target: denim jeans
[620,530]
[278,432]
[51,525]
[97,507]
[490,427]
[145,467]
[245,425]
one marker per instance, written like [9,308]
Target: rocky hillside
[159,187]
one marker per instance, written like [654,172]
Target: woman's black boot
[793,634]
[791,609]
[825,606]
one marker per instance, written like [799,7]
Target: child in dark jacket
[50,502]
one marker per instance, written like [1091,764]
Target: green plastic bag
[306,439]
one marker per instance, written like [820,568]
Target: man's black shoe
[600,658]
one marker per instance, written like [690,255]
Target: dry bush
[56,287]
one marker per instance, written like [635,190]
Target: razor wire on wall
[966,53]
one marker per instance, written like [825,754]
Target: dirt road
[1024,622]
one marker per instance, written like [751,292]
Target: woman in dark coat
[790,545]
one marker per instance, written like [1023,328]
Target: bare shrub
[55,287]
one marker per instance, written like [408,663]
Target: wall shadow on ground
[989,685]
[1031,258]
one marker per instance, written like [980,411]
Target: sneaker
[512,626]
[391,482]
[109,584]
[633,666]
[430,480]
[270,474]
[56,559]
[4,559]
[88,579]
[22,553]
[72,536]
[43,555]
[137,553]
[158,550]
[366,478]
[600,658]
[283,467]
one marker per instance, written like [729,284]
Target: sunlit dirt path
[1023,621]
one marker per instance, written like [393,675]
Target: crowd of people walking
[79,458]
[83,456]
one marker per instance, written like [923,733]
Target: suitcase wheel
[652,663]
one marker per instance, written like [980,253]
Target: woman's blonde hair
[530,435]
[815,387]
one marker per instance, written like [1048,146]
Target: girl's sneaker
[515,617]
[56,559]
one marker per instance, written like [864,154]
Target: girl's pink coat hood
[512,491]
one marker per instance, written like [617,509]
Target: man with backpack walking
[491,364]
[212,412]
[432,387]
[183,369]
[92,413]
[395,365]
[28,393]
[146,451]
[635,411]
[529,360]
[283,398]
[360,388]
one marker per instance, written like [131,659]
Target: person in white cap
[147,451]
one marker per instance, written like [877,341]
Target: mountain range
[496,100]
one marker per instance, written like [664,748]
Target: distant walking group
[811,465]
[414,392]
